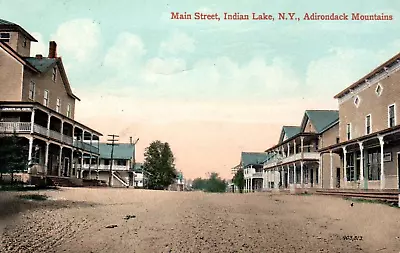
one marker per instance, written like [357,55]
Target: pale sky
[211,89]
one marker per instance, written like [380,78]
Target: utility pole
[112,143]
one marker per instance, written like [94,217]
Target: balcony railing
[25,127]
[17,127]
[104,167]
[292,158]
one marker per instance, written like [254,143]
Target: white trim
[388,115]
[371,81]
[359,101]
[370,124]
[376,89]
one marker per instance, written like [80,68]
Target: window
[24,42]
[106,162]
[121,162]
[54,76]
[69,110]
[46,98]
[391,115]
[58,106]
[337,140]
[368,124]
[348,131]
[5,37]
[357,101]
[350,171]
[32,90]
[378,89]
[374,164]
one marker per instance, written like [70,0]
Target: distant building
[139,178]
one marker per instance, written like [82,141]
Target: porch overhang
[337,148]
[291,139]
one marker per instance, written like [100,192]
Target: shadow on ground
[19,203]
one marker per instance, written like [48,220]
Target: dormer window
[54,76]
[357,101]
[378,89]
[5,37]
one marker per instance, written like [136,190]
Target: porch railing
[55,135]
[39,130]
[292,158]
[104,167]
[17,127]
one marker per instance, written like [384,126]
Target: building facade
[252,164]
[369,133]
[37,104]
[295,161]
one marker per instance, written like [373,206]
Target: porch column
[90,163]
[320,171]
[32,120]
[60,162]
[71,163]
[251,184]
[294,147]
[98,163]
[283,151]
[382,143]
[331,176]
[361,165]
[46,158]
[294,175]
[81,171]
[48,124]
[62,129]
[288,149]
[288,175]
[302,144]
[30,150]
[282,176]
[345,166]
[266,180]
[301,174]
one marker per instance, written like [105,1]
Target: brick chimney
[130,140]
[52,49]
[39,56]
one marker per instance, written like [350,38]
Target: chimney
[39,56]
[130,140]
[52,49]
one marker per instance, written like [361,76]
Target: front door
[337,177]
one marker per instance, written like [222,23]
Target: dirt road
[95,220]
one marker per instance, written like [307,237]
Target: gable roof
[16,56]
[138,167]
[124,151]
[45,63]
[290,131]
[380,69]
[10,26]
[320,119]
[253,158]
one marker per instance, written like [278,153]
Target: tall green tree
[238,180]
[13,155]
[158,166]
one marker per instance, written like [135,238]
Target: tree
[13,155]
[238,180]
[213,184]
[158,166]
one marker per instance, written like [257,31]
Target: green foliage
[159,165]
[13,155]
[213,184]
[238,180]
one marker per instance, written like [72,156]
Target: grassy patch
[36,197]
[371,201]
[24,188]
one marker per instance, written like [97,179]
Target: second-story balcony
[103,167]
[291,159]
[26,128]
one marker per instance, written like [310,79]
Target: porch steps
[388,196]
